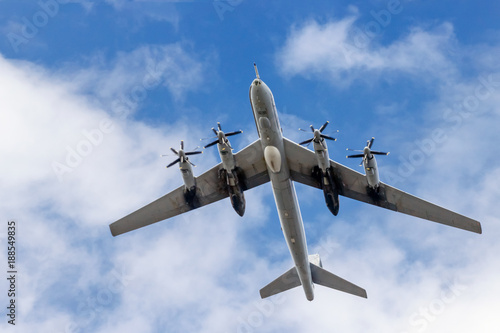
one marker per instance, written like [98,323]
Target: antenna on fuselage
[256,70]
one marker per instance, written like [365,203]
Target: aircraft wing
[210,188]
[353,184]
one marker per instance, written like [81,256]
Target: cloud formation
[340,52]
[418,280]
[202,271]
[74,167]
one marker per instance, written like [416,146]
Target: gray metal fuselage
[266,118]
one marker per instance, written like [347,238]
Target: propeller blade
[323,127]
[312,128]
[303,130]
[213,129]
[355,156]
[193,153]
[182,144]
[175,151]
[234,133]
[354,150]
[218,125]
[379,153]
[370,143]
[307,141]
[211,144]
[207,138]
[328,137]
[174,162]
[191,163]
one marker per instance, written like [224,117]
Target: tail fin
[290,279]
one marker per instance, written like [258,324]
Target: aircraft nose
[259,90]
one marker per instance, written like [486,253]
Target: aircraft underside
[275,159]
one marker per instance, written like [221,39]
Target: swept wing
[209,188]
[353,184]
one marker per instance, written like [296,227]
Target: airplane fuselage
[266,118]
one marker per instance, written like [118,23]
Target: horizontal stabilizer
[319,276]
[327,279]
[286,281]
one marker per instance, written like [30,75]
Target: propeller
[182,155]
[366,151]
[317,134]
[221,136]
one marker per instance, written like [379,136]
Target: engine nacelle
[329,189]
[371,171]
[191,197]
[370,164]
[234,190]
[237,199]
[188,177]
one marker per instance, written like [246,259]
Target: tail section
[286,281]
[325,278]
[290,279]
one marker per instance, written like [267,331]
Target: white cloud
[208,265]
[407,265]
[64,239]
[124,82]
[73,275]
[340,52]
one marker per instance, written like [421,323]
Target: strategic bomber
[275,159]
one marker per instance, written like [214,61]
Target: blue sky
[92,93]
